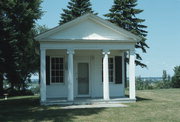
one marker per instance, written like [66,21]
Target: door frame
[83,59]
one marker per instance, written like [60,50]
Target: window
[111,69]
[115,69]
[57,70]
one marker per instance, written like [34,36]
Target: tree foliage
[75,9]
[176,77]
[164,76]
[18,58]
[124,14]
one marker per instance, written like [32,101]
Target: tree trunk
[1,85]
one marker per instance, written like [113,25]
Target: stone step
[87,102]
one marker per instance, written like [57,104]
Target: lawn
[152,105]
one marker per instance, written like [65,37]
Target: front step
[88,101]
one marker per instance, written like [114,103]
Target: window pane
[61,73]
[53,66]
[57,60]
[57,73]
[61,67]
[110,66]
[110,60]
[53,79]
[57,79]
[61,79]
[61,60]
[53,60]
[53,73]
[57,66]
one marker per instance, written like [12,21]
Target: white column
[43,75]
[132,92]
[70,75]
[105,75]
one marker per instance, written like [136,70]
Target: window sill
[109,82]
[57,83]
[113,83]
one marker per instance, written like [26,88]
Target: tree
[123,13]
[176,77]
[166,80]
[17,50]
[75,9]
[6,34]
[40,29]
[164,76]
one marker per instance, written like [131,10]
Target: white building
[85,58]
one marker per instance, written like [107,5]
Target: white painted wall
[94,57]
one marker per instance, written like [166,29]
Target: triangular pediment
[87,27]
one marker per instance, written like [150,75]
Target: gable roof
[94,18]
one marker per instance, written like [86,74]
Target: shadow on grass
[139,98]
[142,99]
[29,109]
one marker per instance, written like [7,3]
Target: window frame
[113,57]
[51,70]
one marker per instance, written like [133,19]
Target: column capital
[106,52]
[70,51]
[132,51]
[42,49]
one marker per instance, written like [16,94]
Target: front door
[83,79]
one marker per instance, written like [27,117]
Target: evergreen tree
[176,77]
[17,20]
[75,9]
[123,13]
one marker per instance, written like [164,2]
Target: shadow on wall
[29,109]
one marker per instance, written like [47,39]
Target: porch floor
[87,101]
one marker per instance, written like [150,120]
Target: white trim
[88,46]
[87,40]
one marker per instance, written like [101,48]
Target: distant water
[151,78]
[34,80]
[142,78]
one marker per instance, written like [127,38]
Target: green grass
[152,106]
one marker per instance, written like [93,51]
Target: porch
[87,101]
[86,74]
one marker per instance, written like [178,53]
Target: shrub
[14,92]
[142,85]
[35,90]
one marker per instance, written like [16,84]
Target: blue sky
[163,21]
